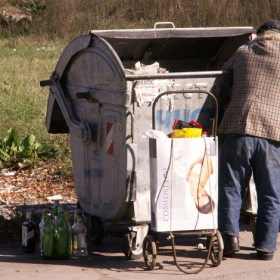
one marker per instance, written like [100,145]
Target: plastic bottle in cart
[62,239]
[44,217]
[79,231]
[49,250]
[28,235]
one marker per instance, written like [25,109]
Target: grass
[24,63]
[23,102]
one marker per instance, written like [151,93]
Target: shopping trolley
[171,200]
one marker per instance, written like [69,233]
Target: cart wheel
[149,252]
[130,248]
[95,229]
[216,253]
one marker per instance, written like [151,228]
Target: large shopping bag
[184,183]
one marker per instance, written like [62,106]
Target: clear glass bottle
[44,217]
[79,244]
[62,239]
[49,239]
[28,235]
[75,215]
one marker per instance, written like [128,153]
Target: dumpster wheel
[149,252]
[95,229]
[130,248]
[217,248]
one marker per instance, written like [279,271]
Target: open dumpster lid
[183,45]
[171,43]
[157,33]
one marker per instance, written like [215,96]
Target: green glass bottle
[48,239]
[62,239]
[67,219]
[55,212]
[60,211]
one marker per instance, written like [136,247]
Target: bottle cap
[28,215]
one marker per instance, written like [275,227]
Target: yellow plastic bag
[187,133]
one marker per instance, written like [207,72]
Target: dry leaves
[27,190]
[32,187]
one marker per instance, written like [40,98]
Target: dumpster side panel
[100,178]
[186,107]
[142,123]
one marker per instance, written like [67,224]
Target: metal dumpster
[101,93]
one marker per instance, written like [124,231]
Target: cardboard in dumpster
[184,183]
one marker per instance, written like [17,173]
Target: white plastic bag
[156,134]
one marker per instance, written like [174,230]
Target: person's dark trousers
[241,155]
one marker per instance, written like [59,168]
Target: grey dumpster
[101,92]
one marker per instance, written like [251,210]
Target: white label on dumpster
[109,138]
[147,90]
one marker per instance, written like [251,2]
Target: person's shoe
[264,256]
[231,244]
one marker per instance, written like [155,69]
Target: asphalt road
[107,262]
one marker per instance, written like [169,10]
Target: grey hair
[268,35]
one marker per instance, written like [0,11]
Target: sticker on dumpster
[109,138]
[147,90]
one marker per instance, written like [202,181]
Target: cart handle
[164,22]
[182,92]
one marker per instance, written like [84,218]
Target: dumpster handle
[164,22]
[182,92]
[82,128]
[45,83]
[132,127]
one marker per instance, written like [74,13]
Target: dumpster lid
[158,44]
[171,43]
[165,33]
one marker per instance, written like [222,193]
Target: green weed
[29,150]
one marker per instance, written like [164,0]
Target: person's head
[269,30]
[272,25]
[204,202]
